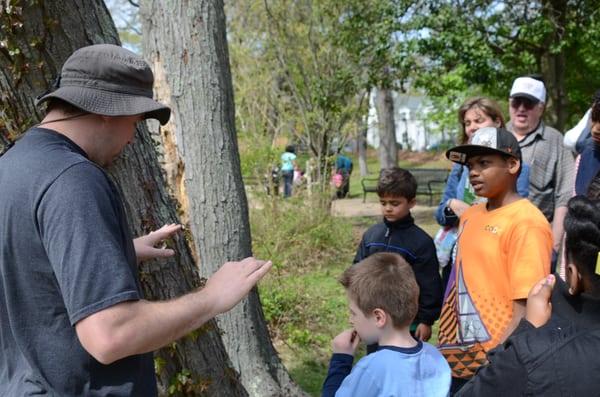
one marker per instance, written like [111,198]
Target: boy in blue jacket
[383,295]
[397,189]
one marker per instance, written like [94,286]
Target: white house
[412,129]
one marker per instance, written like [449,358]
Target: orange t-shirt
[501,254]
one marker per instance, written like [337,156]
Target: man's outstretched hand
[539,307]
[145,246]
[232,282]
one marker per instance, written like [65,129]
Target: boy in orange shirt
[504,248]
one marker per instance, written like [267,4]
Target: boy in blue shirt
[383,298]
[397,189]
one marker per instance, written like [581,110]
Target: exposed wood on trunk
[201,94]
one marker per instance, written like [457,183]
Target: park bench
[430,182]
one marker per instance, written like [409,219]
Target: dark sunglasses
[526,102]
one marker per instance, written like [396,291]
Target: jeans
[288,179]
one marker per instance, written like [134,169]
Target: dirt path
[354,207]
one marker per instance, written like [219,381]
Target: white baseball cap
[528,87]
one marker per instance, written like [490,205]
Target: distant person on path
[551,165]
[343,166]
[397,189]
[474,113]
[73,320]
[554,350]
[383,299]
[288,164]
[504,248]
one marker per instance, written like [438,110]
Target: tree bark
[553,64]
[388,150]
[361,142]
[194,78]
[45,34]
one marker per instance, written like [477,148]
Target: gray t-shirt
[65,253]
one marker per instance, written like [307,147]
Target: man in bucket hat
[73,320]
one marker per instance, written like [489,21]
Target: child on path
[288,164]
[504,248]
[382,295]
[398,233]
[555,350]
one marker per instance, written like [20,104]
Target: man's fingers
[260,271]
[165,252]
[250,265]
[165,232]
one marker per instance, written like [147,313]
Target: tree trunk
[553,64]
[194,78]
[384,105]
[361,142]
[50,32]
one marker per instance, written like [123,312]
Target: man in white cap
[551,165]
[73,321]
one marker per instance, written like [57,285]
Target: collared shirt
[551,168]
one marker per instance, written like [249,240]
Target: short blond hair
[386,281]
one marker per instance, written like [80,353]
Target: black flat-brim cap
[486,140]
[108,80]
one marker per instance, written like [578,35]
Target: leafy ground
[304,304]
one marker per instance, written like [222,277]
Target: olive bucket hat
[108,80]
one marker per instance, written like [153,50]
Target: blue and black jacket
[407,239]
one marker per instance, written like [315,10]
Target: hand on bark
[346,342]
[145,246]
[423,332]
[232,282]
[539,308]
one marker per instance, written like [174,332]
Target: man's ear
[412,203]
[513,165]
[574,279]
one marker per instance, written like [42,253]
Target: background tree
[374,35]
[36,37]
[194,78]
[489,43]
[290,76]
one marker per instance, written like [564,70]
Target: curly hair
[582,227]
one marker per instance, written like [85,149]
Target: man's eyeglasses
[526,102]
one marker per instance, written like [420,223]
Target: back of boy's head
[582,227]
[397,182]
[385,281]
